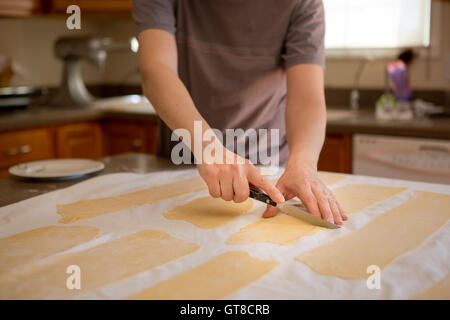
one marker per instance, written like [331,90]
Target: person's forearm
[171,99]
[305,114]
[305,125]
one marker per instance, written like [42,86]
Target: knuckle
[212,173]
[235,168]
[214,193]
[227,197]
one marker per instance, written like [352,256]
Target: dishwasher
[416,159]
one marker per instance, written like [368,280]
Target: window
[377,24]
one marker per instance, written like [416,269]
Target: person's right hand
[231,181]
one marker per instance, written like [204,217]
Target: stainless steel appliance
[416,159]
[72,50]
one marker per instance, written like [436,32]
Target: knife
[295,210]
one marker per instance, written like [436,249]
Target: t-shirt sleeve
[154,14]
[304,42]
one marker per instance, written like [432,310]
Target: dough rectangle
[215,279]
[356,197]
[283,229]
[383,239]
[439,291]
[101,265]
[208,212]
[40,243]
[86,209]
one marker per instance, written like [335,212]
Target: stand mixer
[72,50]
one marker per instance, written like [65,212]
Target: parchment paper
[406,276]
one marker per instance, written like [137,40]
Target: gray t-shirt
[233,56]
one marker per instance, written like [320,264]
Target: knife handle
[261,196]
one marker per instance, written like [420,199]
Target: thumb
[270,212]
[255,178]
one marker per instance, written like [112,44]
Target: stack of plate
[11,97]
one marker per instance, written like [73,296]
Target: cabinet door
[25,145]
[336,155]
[93,6]
[79,140]
[129,136]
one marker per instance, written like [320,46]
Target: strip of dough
[329,178]
[39,243]
[356,197]
[283,229]
[215,279]
[440,291]
[208,212]
[383,239]
[101,265]
[86,209]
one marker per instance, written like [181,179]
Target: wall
[430,73]
[30,43]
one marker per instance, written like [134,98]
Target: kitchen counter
[15,189]
[17,120]
[362,121]
[365,122]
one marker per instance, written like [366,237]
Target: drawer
[26,145]
[79,140]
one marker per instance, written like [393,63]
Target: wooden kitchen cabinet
[79,140]
[92,6]
[25,145]
[129,136]
[336,155]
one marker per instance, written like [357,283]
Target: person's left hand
[301,180]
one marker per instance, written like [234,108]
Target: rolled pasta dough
[208,212]
[383,239]
[283,229]
[215,279]
[86,209]
[100,266]
[439,291]
[39,243]
[356,197]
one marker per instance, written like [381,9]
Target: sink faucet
[354,95]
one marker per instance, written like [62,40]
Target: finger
[212,181]
[342,212]
[335,210]
[255,177]
[309,200]
[270,212]
[322,202]
[226,187]
[214,188]
[241,190]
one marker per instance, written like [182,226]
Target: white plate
[56,168]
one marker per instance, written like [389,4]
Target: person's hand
[301,180]
[231,181]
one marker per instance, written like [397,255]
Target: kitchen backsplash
[29,41]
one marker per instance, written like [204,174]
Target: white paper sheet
[406,276]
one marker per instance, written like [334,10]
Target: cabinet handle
[25,149]
[16,151]
[12,151]
[137,143]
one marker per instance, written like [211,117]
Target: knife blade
[293,210]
